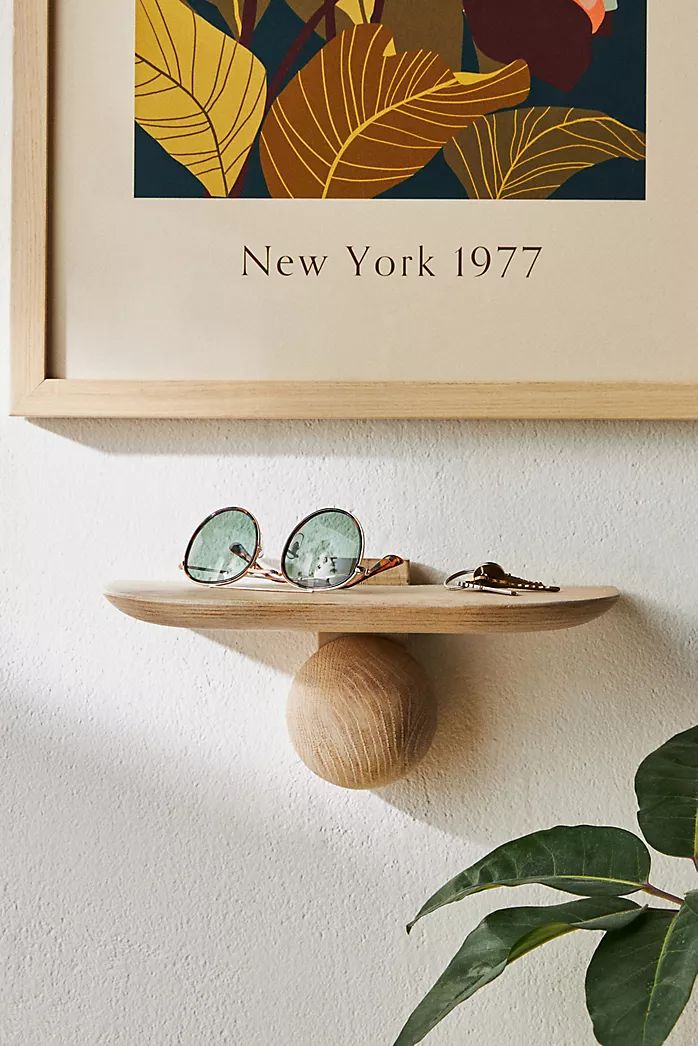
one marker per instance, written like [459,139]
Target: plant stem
[325,9]
[656,892]
[239,187]
[249,20]
[296,47]
[378,11]
[695,861]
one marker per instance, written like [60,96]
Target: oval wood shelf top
[366,608]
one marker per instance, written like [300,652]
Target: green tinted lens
[223,547]
[324,551]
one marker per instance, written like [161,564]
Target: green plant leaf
[640,979]
[666,784]
[581,859]
[499,940]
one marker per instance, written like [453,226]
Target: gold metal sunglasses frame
[256,568]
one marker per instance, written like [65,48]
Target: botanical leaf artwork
[384,115]
[359,12]
[232,13]
[435,26]
[373,99]
[239,20]
[413,23]
[556,37]
[529,153]
[199,93]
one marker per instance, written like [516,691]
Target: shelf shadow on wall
[369,439]
[267,439]
[283,652]
[530,725]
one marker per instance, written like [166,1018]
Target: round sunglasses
[323,552]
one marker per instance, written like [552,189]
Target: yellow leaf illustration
[232,11]
[359,118]
[357,11]
[199,93]
[529,153]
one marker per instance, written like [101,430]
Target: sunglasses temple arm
[365,573]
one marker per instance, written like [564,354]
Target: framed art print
[354,208]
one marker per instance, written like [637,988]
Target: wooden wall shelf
[361,712]
[364,609]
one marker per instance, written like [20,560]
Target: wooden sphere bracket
[361,711]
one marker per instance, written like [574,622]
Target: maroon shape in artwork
[553,36]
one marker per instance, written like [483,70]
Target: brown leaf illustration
[529,153]
[435,26]
[359,118]
[414,23]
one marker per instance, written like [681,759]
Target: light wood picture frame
[38,392]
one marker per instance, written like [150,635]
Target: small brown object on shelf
[399,575]
[361,713]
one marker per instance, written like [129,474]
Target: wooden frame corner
[37,394]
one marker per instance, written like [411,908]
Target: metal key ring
[491,577]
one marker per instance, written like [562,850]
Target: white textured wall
[169,872]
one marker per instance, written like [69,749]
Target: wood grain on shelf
[364,609]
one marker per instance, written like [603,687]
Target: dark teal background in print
[616,84]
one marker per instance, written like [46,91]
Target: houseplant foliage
[332,99]
[643,971]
